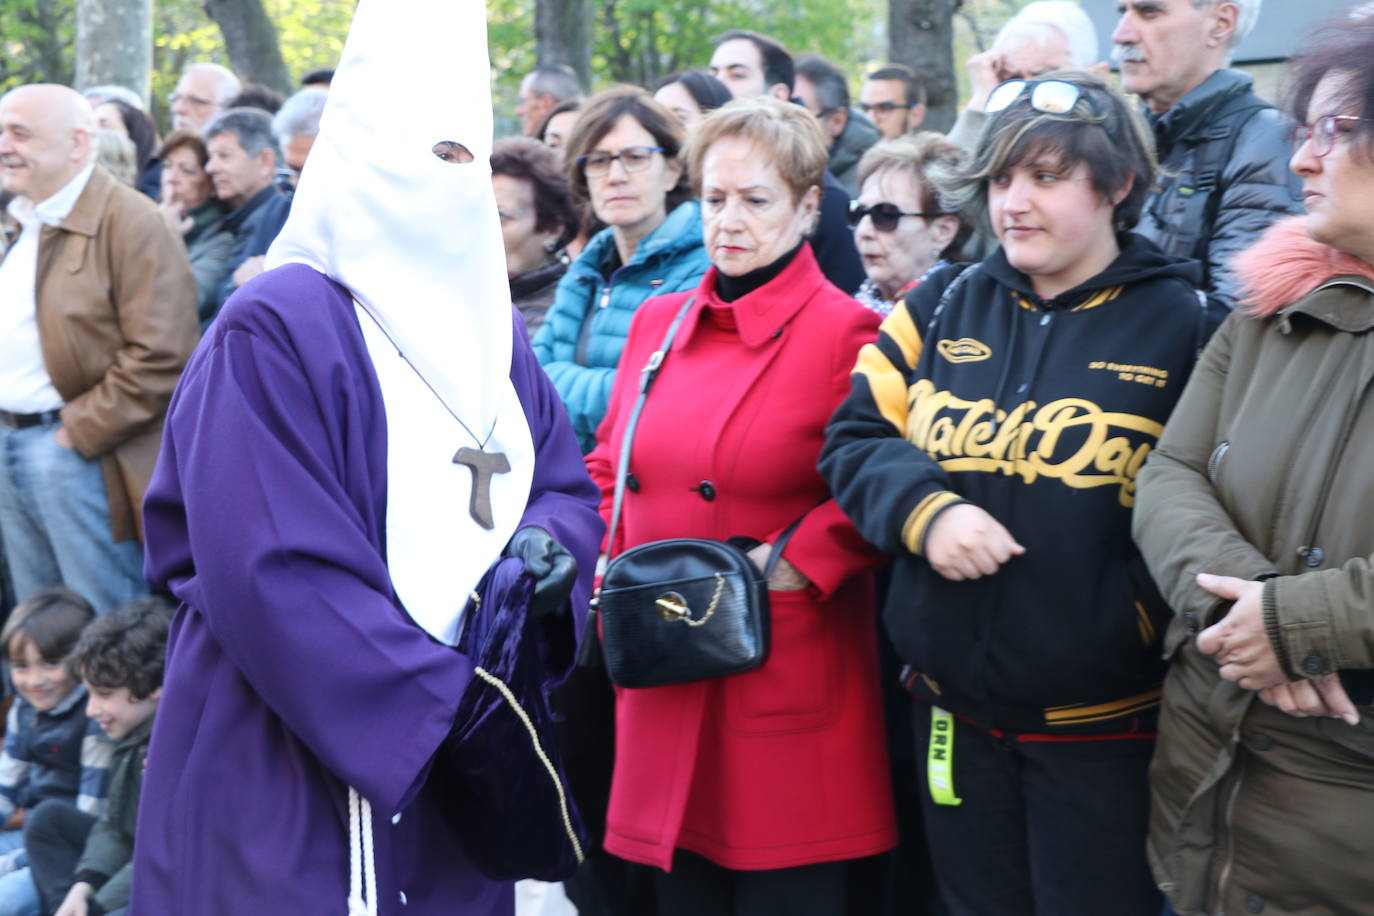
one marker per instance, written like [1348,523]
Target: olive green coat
[1266,469]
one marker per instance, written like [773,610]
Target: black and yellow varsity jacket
[1041,412]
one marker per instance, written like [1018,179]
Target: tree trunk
[562,36]
[251,39]
[114,44]
[921,35]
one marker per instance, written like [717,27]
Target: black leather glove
[554,570]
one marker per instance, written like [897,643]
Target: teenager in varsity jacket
[991,442]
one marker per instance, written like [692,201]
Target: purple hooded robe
[292,671]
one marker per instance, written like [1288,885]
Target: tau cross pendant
[483,465]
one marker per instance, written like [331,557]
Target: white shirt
[25,386]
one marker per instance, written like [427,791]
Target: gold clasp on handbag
[672,606]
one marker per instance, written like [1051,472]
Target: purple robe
[292,672]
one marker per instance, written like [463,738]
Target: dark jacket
[55,753]
[1211,217]
[849,147]
[243,223]
[208,247]
[106,863]
[833,240]
[1039,412]
[532,292]
[1265,473]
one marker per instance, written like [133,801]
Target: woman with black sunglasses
[991,442]
[899,228]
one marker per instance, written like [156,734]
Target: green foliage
[634,41]
[638,41]
[36,40]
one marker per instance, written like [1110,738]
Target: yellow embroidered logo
[1071,440]
[964,350]
[1145,375]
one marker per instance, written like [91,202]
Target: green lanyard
[940,758]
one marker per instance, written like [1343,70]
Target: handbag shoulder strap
[646,381]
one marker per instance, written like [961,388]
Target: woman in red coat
[750,791]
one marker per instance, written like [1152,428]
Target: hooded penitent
[396,204]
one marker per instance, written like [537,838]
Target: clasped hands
[1241,648]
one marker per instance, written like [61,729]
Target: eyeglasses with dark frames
[883,107]
[633,158]
[1324,132]
[885,215]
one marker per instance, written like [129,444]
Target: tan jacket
[1265,470]
[117,323]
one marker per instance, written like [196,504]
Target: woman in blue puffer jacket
[622,158]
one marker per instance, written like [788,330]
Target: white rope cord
[539,750]
[362,897]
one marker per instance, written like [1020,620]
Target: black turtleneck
[730,288]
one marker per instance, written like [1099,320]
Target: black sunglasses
[885,216]
[883,107]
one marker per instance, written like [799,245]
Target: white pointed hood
[418,242]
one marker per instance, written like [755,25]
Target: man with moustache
[1223,150]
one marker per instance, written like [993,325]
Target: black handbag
[681,609]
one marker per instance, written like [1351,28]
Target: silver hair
[1065,16]
[558,81]
[229,85]
[1247,14]
[252,126]
[98,95]
[299,115]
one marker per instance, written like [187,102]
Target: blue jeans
[18,895]
[55,522]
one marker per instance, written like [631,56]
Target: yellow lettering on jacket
[965,435]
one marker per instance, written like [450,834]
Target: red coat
[785,765]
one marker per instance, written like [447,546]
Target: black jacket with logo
[1041,412]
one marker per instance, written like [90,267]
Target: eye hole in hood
[453,152]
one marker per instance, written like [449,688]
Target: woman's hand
[175,211]
[964,542]
[1324,696]
[785,577]
[1238,641]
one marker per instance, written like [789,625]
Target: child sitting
[51,749]
[79,862]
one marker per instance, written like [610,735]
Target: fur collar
[1286,264]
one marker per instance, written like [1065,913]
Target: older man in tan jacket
[97,320]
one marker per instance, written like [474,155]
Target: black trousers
[1046,828]
[698,887]
[55,835]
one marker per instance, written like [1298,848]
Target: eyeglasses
[1049,96]
[885,216]
[174,97]
[633,158]
[883,107]
[1323,133]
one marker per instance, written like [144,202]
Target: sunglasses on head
[1049,96]
[885,216]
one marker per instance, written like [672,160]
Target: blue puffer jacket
[584,331]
